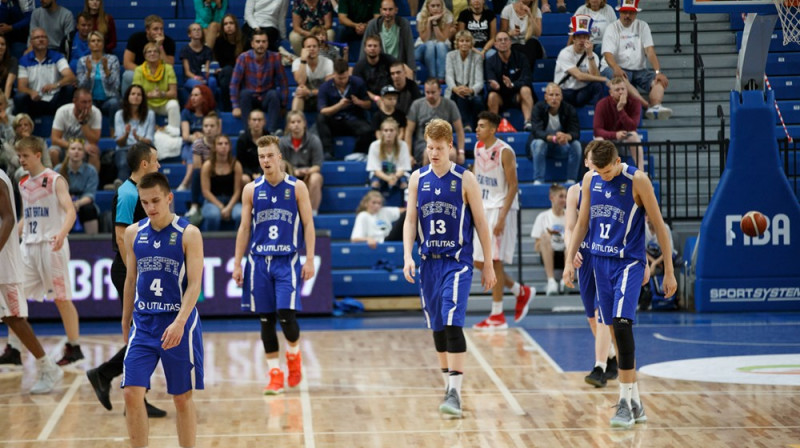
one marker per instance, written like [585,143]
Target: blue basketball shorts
[618,282]
[272,283]
[183,365]
[586,284]
[444,289]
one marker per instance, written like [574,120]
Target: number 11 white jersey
[491,175]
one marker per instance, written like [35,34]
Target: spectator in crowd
[353,18]
[436,28]
[9,68]
[160,86]
[9,161]
[629,60]
[602,15]
[426,109]
[82,180]
[576,67]
[407,88]
[330,50]
[395,32]
[548,237]
[509,76]
[259,81]
[57,21]
[561,6]
[310,71]
[209,14]
[341,103]
[99,74]
[374,68]
[303,152]
[44,82]
[201,103]
[373,220]
[522,20]
[15,18]
[230,44]
[201,152]
[481,23]
[133,123]
[247,149]
[23,127]
[389,160]
[465,79]
[103,22]
[221,179]
[267,15]
[79,40]
[555,132]
[134,52]
[387,108]
[79,119]
[655,257]
[196,58]
[306,14]
[616,118]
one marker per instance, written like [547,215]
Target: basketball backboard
[729,6]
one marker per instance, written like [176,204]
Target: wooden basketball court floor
[374,382]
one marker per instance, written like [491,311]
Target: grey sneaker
[451,404]
[637,409]
[623,418]
[49,376]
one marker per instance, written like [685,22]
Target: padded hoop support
[755,48]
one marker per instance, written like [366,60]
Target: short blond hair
[438,129]
[268,140]
[33,143]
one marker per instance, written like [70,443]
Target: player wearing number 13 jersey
[276,223]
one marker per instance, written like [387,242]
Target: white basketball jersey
[10,256]
[490,174]
[40,209]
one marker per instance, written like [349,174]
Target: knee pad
[455,339]
[626,348]
[268,336]
[440,341]
[289,324]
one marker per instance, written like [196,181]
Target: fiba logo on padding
[778,232]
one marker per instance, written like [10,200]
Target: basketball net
[790,19]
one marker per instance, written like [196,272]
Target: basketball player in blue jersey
[444,209]
[165,271]
[281,221]
[611,211]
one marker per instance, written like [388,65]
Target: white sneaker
[658,112]
[48,376]
[552,287]
[562,286]
[192,211]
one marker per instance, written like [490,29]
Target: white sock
[497,308]
[625,392]
[14,342]
[446,377]
[455,381]
[44,362]
[602,365]
[273,363]
[292,350]
[73,343]
[635,392]
[515,289]
[612,353]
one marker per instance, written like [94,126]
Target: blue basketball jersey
[161,264]
[616,224]
[276,221]
[584,248]
[444,221]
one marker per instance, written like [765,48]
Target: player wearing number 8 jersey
[276,223]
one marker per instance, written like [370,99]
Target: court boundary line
[55,417]
[498,383]
[308,422]
[661,337]
[538,348]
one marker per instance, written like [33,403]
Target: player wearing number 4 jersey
[276,222]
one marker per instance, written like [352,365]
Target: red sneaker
[295,369]
[523,302]
[275,385]
[492,323]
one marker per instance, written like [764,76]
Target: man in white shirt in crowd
[548,235]
[576,66]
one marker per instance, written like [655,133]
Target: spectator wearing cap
[627,47]
[310,70]
[576,66]
[387,107]
[602,15]
[465,79]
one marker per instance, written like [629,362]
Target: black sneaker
[101,387]
[154,412]
[596,378]
[72,354]
[10,357]
[612,370]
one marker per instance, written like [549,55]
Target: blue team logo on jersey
[453,185]
[286,194]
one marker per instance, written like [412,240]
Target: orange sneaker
[295,369]
[275,385]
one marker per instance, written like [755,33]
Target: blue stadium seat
[794,131]
[177,29]
[360,255]
[138,9]
[586,117]
[543,72]
[524,169]
[368,283]
[515,117]
[175,172]
[103,200]
[344,173]
[43,125]
[793,168]
[340,225]
[107,144]
[784,64]
[785,87]
[555,24]
[535,196]
[181,202]
[343,146]
[516,140]
[341,199]
[775,44]
[790,111]
[126,28]
[554,44]
[230,124]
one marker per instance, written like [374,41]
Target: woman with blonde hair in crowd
[102,22]
[389,161]
[436,28]
[373,220]
[465,79]
[82,180]
[99,73]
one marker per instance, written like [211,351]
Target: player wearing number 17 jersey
[276,223]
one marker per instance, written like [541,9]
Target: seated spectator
[407,88]
[426,109]
[306,14]
[436,28]
[561,6]
[310,70]
[465,80]
[302,150]
[259,82]
[389,161]
[655,258]
[23,127]
[201,152]
[548,236]
[353,18]
[160,86]
[247,148]
[230,44]
[82,180]
[57,21]
[602,15]
[196,58]
[616,118]
[509,76]
[79,40]
[9,68]
[99,73]
[9,161]
[45,81]
[387,109]
[395,32]
[103,22]
[15,18]
[522,20]
[481,23]
[341,103]
[201,103]
[373,220]
[374,68]
[209,14]
[555,133]
[221,178]
[330,50]
[133,123]
[134,52]
[267,15]
[78,120]
[576,67]
[629,61]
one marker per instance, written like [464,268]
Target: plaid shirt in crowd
[259,76]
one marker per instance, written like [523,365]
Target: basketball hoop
[790,19]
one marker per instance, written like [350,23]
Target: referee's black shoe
[101,387]
[154,412]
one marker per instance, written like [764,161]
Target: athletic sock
[74,343]
[612,353]
[602,365]
[14,342]
[497,308]
[455,380]
[515,289]
[635,392]
[625,392]
[446,377]
[292,350]
[273,363]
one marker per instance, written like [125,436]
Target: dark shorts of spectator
[641,79]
